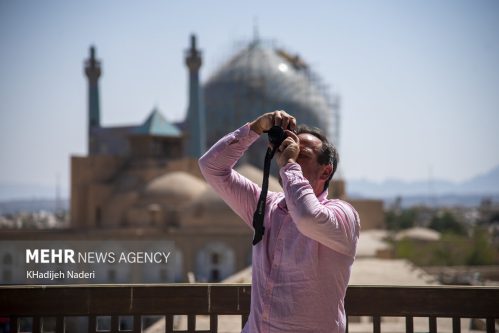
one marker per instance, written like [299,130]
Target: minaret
[195,122]
[93,72]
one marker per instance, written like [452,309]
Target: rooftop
[157,125]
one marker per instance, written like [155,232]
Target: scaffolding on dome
[262,77]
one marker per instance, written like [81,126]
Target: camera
[277,135]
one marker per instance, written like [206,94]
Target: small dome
[211,199]
[176,185]
[208,207]
[420,234]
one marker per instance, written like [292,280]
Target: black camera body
[276,136]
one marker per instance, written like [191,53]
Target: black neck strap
[260,208]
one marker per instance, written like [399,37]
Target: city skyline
[417,81]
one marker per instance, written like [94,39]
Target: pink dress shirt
[301,268]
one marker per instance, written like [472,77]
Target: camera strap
[259,214]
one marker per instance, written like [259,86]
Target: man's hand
[289,150]
[276,118]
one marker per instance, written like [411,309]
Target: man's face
[314,172]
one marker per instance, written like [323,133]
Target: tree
[403,220]
[482,253]
[446,222]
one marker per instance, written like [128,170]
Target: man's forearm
[331,224]
[224,154]
[300,197]
[216,165]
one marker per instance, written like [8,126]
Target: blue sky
[418,79]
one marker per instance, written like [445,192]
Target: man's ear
[326,172]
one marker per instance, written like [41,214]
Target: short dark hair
[328,153]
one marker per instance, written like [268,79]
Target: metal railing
[213,300]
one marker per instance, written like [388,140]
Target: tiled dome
[261,78]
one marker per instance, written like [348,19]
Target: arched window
[98,217]
[215,258]
[215,262]
[6,276]
[215,275]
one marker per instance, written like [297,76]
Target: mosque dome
[163,199]
[175,187]
[208,209]
[262,78]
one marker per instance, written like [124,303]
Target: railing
[213,300]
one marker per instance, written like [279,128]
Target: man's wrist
[288,161]
[255,128]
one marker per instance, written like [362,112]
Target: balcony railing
[214,300]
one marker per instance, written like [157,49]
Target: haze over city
[417,80]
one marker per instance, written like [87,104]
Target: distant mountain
[481,185]
[485,183]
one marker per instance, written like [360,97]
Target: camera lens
[276,136]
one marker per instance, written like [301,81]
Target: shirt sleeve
[217,164]
[333,223]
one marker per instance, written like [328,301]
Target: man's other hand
[277,118]
[289,150]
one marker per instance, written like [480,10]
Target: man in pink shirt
[301,268]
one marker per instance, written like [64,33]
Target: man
[301,267]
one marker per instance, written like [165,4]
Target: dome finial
[256,35]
